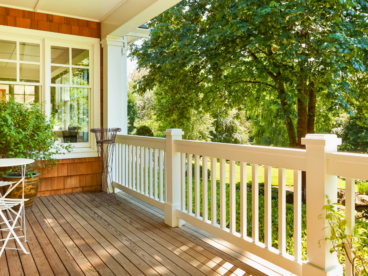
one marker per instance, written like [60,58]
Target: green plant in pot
[26,132]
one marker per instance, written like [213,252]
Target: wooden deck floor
[69,235]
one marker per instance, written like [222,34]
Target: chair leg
[11,231]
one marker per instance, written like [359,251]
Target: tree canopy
[274,59]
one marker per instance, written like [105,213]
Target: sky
[132,64]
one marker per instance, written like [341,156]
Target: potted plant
[26,132]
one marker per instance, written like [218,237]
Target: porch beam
[131,14]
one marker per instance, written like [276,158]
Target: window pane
[8,50]
[29,52]
[69,110]
[80,76]
[21,93]
[8,71]
[80,57]
[59,55]
[59,75]
[29,73]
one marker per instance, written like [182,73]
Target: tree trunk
[303,128]
[302,113]
[311,107]
[293,143]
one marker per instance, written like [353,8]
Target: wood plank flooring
[71,234]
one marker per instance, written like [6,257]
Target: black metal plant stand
[105,140]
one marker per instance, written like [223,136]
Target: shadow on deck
[69,235]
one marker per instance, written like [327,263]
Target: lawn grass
[274,176]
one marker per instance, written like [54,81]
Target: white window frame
[46,40]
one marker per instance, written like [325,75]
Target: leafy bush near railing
[342,243]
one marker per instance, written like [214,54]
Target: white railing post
[173,177]
[320,262]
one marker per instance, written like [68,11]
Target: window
[20,71]
[70,89]
[60,71]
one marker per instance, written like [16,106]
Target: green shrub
[144,131]
[25,132]
[201,171]
[356,242]
[363,188]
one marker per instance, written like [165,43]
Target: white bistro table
[7,204]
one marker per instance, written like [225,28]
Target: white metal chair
[6,208]
[10,212]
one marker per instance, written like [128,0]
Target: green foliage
[355,135]
[265,57]
[198,127]
[201,171]
[343,242]
[25,132]
[289,215]
[144,131]
[231,127]
[132,112]
[363,188]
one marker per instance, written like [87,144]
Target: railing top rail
[142,141]
[270,156]
[348,157]
[352,165]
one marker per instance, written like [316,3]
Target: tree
[232,53]
[132,112]
[231,127]
[353,132]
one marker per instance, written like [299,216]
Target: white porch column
[173,177]
[115,80]
[320,262]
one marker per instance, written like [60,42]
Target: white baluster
[134,163]
[161,168]
[126,156]
[146,167]
[151,173]
[213,191]
[205,188]
[165,182]
[232,198]
[120,169]
[282,211]
[268,206]
[222,193]
[142,170]
[138,169]
[183,201]
[298,216]
[255,203]
[156,175]
[243,199]
[197,186]
[123,159]
[130,166]
[189,184]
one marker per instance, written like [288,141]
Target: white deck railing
[157,171]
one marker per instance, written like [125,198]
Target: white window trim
[46,39]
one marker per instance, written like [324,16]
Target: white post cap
[174,131]
[321,139]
